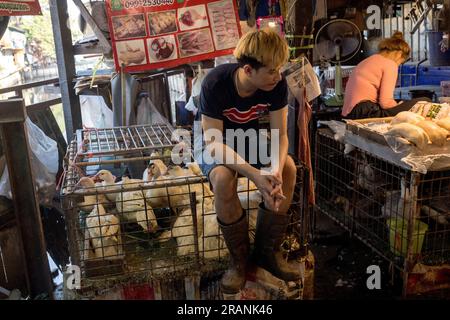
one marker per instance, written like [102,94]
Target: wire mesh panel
[402,215]
[132,215]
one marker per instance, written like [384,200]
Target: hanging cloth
[304,152]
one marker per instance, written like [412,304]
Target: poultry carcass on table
[412,133]
[407,117]
[436,134]
[444,123]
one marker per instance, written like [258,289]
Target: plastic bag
[431,110]
[95,113]
[147,114]
[44,164]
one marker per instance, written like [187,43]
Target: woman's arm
[387,87]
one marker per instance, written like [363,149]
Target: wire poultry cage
[402,215]
[146,219]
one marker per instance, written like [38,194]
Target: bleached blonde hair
[262,48]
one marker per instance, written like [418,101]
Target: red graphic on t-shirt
[234,115]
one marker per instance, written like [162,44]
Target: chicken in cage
[400,213]
[132,212]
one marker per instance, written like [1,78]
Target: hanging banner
[152,34]
[20,8]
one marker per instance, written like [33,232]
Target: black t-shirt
[219,100]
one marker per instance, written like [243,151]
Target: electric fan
[337,41]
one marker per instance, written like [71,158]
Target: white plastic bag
[147,114]
[44,164]
[95,113]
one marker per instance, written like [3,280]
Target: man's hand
[270,187]
[277,192]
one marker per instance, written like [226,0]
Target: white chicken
[178,172]
[104,232]
[157,197]
[157,162]
[88,185]
[195,168]
[202,190]
[208,233]
[132,206]
[108,183]
[173,196]
[210,240]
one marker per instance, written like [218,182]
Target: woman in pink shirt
[370,89]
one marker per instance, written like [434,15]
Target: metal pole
[66,66]
[26,206]
[412,217]
[123,95]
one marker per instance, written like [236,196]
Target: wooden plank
[29,85]
[26,206]
[43,105]
[12,264]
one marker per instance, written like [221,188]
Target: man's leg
[224,183]
[234,226]
[271,228]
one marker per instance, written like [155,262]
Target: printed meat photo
[194,43]
[224,24]
[192,17]
[131,52]
[129,26]
[162,22]
[161,49]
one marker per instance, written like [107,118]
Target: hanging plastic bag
[95,113]
[146,113]
[44,165]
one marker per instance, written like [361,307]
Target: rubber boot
[238,244]
[270,231]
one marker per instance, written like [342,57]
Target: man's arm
[266,183]
[278,121]
[239,164]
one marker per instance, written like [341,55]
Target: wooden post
[15,143]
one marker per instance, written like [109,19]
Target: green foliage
[39,31]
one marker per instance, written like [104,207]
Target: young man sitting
[234,96]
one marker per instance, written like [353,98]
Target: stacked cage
[135,217]
[402,215]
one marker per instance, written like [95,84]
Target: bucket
[416,93]
[398,236]
[435,56]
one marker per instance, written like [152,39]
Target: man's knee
[223,181]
